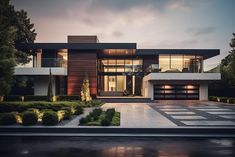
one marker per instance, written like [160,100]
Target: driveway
[140,115]
[174,114]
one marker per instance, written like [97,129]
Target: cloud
[117,34]
[179,5]
[202,30]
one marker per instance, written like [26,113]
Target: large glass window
[164,62]
[120,65]
[181,63]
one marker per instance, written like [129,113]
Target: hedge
[222,99]
[22,106]
[40,98]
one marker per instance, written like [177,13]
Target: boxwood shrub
[29,118]
[7,119]
[50,118]
[79,110]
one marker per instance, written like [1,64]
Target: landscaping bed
[41,112]
[98,117]
[222,99]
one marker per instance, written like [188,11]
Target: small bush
[29,118]
[212,98]
[83,121]
[79,110]
[231,100]
[223,99]
[106,121]
[7,119]
[110,113]
[50,118]
[94,103]
[96,113]
[67,115]
[34,110]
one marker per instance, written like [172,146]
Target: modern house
[119,69]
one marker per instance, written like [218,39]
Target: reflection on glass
[164,62]
[121,83]
[181,63]
[128,65]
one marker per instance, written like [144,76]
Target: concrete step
[126,100]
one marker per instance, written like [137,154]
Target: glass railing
[155,68]
[53,62]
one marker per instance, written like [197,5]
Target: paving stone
[221,112]
[209,123]
[173,109]
[168,106]
[228,116]
[186,113]
[188,117]
[214,109]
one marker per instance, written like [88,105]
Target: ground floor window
[119,83]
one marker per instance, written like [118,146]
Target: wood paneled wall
[80,63]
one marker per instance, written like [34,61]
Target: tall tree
[15,28]
[7,50]
[228,66]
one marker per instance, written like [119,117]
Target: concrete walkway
[139,115]
[75,121]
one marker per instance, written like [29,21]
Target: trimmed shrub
[223,99]
[34,110]
[50,118]
[106,121]
[12,98]
[94,103]
[35,98]
[29,118]
[83,121]
[79,110]
[96,113]
[212,98]
[68,97]
[7,119]
[231,100]
[110,112]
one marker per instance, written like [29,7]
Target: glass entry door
[114,83]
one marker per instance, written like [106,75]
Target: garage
[176,92]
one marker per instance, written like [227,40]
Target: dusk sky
[149,23]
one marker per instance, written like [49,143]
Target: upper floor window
[180,63]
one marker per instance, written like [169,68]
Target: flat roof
[88,46]
[206,53]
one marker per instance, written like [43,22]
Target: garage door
[174,92]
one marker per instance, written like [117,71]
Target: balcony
[57,66]
[154,73]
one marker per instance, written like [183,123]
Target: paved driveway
[196,113]
[139,115]
[175,114]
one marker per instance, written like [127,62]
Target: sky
[149,23]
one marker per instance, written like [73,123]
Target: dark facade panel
[79,65]
[206,53]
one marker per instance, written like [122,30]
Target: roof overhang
[82,46]
[206,53]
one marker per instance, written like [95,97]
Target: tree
[85,90]
[7,50]
[15,28]
[228,66]
[50,87]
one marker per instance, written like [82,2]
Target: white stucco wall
[41,85]
[203,91]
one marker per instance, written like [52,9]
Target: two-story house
[118,69]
